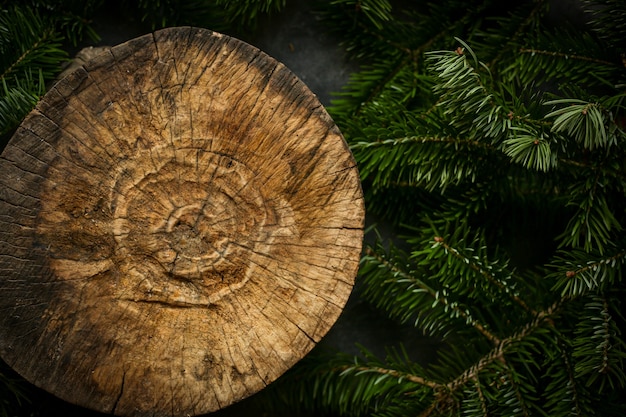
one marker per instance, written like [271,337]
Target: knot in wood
[187,224]
[191,234]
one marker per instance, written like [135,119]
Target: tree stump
[181,222]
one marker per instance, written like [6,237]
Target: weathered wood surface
[180,223]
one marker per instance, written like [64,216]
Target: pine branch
[18,101]
[562,394]
[30,56]
[590,124]
[578,273]
[491,150]
[513,29]
[485,271]
[594,222]
[406,52]
[598,349]
[561,58]
[421,161]
[608,20]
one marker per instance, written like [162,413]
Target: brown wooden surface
[180,223]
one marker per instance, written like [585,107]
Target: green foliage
[34,37]
[30,55]
[219,15]
[494,140]
[71,18]
[18,100]
[598,349]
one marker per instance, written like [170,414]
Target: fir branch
[471,374]
[485,142]
[378,12]
[596,170]
[601,353]
[364,37]
[471,15]
[221,15]
[30,56]
[17,101]
[361,385]
[481,397]
[530,148]
[244,15]
[438,298]
[512,398]
[420,161]
[392,142]
[391,373]
[505,345]
[21,61]
[28,43]
[472,108]
[378,78]
[477,266]
[555,54]
[580,272]
[562,58]
[588,123]
[521,30]
[405,56]
[607,19]
[594,222]
[72,18]
[563,396]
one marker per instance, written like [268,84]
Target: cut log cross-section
[180,223]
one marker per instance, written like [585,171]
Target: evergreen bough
[493,138]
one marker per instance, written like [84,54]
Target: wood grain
[180,223]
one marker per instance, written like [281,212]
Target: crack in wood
[119,395]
